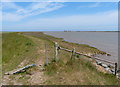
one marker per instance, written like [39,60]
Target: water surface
[105,41]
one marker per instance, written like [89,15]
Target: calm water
[105,41]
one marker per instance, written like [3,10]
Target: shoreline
[56,31]
[109,49]
[63,39]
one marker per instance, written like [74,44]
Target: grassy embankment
[79,71]
[16,48]
[0,58]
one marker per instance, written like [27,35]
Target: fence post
[56,51]
[46,57]
[73,53]
[115,68]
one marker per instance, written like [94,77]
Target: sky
[59,16]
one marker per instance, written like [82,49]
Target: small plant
[28,43]
[77,55]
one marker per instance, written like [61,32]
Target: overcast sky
[59,16]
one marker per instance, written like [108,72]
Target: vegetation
[18,47]
[0,58]
[77,71]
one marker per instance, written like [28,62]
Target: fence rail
[57,48]
[88,56]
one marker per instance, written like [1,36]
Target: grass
[0,58]
[77,71]
[18,47]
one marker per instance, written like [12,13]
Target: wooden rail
[88,56]
[57,47]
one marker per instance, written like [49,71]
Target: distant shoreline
[91,31]
[58,31]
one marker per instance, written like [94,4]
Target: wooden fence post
[56,51]
[115,68]
[73,53]
[46,57]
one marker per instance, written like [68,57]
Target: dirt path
[38,76]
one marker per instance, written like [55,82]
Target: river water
[105,41]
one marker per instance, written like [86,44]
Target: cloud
[12,17]
[10,5]
[31,10]
[39,8]
[106,20]
[97,4]
[0,14]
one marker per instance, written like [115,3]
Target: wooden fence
[57,48]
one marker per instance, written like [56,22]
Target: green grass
[16,48]
[0,58]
